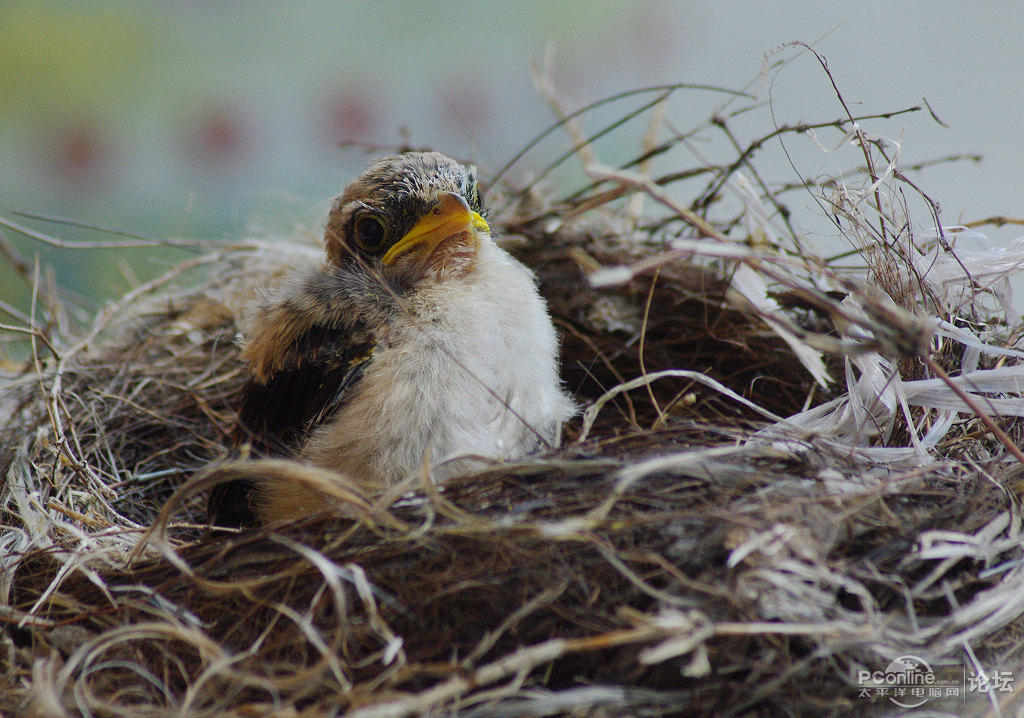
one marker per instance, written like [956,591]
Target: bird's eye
[369,234]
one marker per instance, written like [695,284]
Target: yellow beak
[451,216]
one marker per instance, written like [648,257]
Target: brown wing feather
[277,415]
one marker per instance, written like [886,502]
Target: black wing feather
[277,415]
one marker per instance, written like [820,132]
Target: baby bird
[418,341]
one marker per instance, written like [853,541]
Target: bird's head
[412,216]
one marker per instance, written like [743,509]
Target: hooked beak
[449,218]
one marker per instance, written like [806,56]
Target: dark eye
[369,233]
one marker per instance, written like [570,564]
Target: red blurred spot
[468,104]
[79,149]
[218,135]
[351,116]
[647,42]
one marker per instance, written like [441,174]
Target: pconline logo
[908,681]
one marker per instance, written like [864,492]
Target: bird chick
[417,340]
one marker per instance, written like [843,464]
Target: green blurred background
[198,119]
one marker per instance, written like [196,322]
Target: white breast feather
[470,369]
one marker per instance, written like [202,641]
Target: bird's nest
[785,472]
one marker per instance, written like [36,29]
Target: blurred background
[217,120]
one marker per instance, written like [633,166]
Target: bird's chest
[467,371]
[445,361]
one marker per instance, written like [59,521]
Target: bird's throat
[453,257]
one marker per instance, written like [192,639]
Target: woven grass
[785,471]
